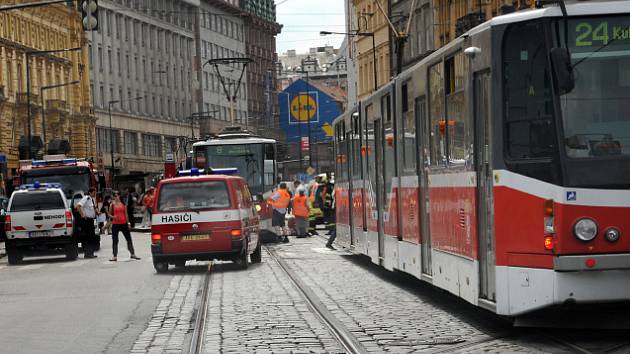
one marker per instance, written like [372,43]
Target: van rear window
[193,196]
[44,200]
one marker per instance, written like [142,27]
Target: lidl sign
[303,108]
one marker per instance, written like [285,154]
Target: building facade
[453,18]
[260,40]
[142,73]
[61,114]
[373,20]
[419,40]
[221,35]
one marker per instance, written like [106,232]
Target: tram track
[340,332]
[197,339]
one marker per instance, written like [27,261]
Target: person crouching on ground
[300,211]
[279,201]
[118,213]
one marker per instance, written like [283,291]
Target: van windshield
[44,200]
[193,196]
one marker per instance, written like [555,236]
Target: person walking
[332,227]
[147,202]
[279,202]
[131,205]
[300,211]
[87,210]
[118,213]
[104,223]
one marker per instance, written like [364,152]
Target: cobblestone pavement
[172,321]
[260,311]
[388,317]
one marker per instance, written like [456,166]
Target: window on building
[152,145]
[131,143]
[104,142]
[170,144]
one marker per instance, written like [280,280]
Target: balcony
[469,21]
[22,98]
[56,105]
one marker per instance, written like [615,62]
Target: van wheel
[14,255]
[256,257]
[160,267]
[72,251]
[241,260]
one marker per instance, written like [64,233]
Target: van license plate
[40,234]
[195,237]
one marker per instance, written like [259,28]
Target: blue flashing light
[70,160]
[192,172]
[38,185]
[54,162]
[224,171]
[39,163]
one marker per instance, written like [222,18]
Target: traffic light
[89,15]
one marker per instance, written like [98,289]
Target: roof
[335,92]
[220,141]
[200,178]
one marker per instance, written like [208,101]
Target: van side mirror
[562,70]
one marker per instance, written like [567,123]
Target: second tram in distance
[498,168]
[253,156]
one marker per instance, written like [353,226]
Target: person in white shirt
[88,212]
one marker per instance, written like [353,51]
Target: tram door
[484,186]
[425,232]
[378,154]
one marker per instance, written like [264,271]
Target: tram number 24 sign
[598,32]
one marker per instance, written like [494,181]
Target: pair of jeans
[124,228]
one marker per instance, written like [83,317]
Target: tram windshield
[249,159]
[596,113]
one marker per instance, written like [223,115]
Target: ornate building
[64,113]
[453,18]
[370,19]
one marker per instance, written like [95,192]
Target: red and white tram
[498,168]
[253,156]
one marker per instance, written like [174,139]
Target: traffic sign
[310,171]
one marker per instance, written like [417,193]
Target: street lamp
[29,54]
[360,34]
[111,131]
[41,95]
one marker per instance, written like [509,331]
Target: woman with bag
[104,223]
[120,223]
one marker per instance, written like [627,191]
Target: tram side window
[356,147]
[269,166]
[409,131]
[370,150]
[528,98]
[459,132]
[386,108]
[437,135]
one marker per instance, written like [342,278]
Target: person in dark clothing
[131,205]
[88,211]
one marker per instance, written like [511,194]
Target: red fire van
[204,217]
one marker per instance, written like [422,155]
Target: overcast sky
[303,19]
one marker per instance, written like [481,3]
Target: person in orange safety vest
[301,211]
[279,202]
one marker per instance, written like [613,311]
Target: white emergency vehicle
[39,220]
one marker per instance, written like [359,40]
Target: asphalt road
[49,305]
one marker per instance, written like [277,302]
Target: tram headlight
[585,229]
[612,234]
